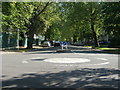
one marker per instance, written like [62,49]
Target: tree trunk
[94,35]
[74,38]
[32,31]
[92,20]
[30,40]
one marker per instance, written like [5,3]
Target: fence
[8,40]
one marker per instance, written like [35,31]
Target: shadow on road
[38,59]
[83,78]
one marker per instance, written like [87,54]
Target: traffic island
[63,50]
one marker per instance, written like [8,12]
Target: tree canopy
[65,21]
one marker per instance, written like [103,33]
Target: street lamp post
[18,39]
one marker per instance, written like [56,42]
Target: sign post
[62,46]
[18,39]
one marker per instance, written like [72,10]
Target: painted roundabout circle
[67,60]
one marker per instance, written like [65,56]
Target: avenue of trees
[64,21]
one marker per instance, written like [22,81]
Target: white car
[46,43]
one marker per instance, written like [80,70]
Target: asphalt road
[46,68]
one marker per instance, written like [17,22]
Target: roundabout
[71,61]
[67,60]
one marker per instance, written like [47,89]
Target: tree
[82,17]
[35,21]
[16,15]
[52,18]
[29,17]
[111,14]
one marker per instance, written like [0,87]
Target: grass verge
[16,50]
[21,49]
[109,50]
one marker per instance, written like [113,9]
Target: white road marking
[103,59]
[24,62]
[84,65]
[102,63]
[67,60]
[98,58]
[36,58]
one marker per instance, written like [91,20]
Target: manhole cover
[67,60]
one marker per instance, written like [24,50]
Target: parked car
[46,43]
[78,44]
[88,43]
[57,44]
[103,42]
[52,42]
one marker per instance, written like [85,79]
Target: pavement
[45,68]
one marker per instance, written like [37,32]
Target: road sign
[64,43]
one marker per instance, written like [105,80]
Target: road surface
[45,68]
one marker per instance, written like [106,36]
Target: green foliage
[112,17]
[111,13]
[76,20]
[62,21]
[16,15]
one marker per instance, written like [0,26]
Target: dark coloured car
[78,44]
[103,42]
[57,44]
